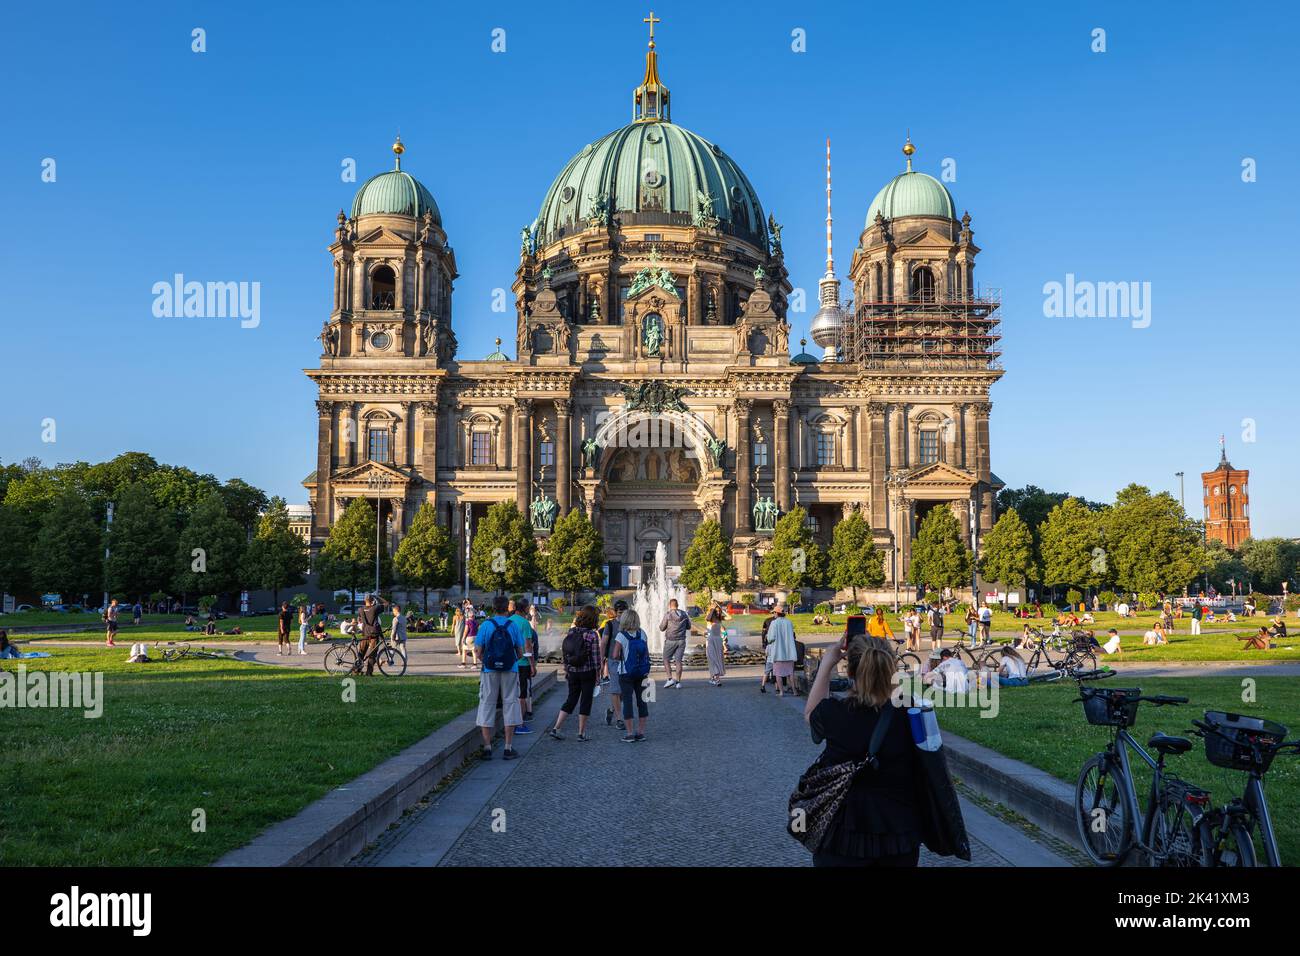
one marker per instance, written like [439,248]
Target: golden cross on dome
[652,20]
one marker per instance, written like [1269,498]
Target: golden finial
[398,150]
[498,343]
[652,20]
[908,150]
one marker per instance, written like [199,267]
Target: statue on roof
[704,217]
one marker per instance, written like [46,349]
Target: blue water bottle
[925,726]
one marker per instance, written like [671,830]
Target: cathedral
[651,382]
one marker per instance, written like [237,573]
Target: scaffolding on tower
[926,332]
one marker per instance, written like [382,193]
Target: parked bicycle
[1248,744]
[1078,655]
[342,657]
[175,651]
[976,654]
[1106,806]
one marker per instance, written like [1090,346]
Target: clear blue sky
[225,165]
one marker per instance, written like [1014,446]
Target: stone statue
[543,511]
[717,450]
[562,334]
[765,514]
[653,335]
[595,309]
[742,338]
[653,397]
[526,245]
[704,217]
[774,228]
[601,214]
[590,452]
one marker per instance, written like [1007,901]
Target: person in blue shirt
[499,680]
[527,664]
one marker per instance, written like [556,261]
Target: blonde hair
[630,622]
[872,664]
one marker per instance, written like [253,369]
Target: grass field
[248,744]
[1041,726]
[260,627]
[46,618]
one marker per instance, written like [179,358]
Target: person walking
[676,626]
[1197,613]
[973,619]
[397,630]
[371,632]
[469,635]
[878,626]
[498,646]
[137,613]
[633,654]
[110,623]
[304,620]
[879,823]
[713,648]
[986,622]
[458,635]
[582,664]
[781,650]
[936,627]
[613,668]
[284,621]
[912,629]
[527,666]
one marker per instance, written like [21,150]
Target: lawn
[1042,726]
[46,618]
[261,627]
[249,744]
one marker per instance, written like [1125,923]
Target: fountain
[651,601]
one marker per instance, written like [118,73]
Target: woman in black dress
[879,823]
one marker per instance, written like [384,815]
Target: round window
[652,178]
[381,340]
[566,194]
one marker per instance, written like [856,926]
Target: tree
[426,558]
[276,557]
[347,560]
[68,557]
[707,566]
[15,551]
[1150,545]
[940,557]
[209,550]
[1268,562]
[178,491]
[244,503]
[1008,556]
[854,561]
[1070,543]
[142,544]
[503,554]
[575,554]
[1223,568]
[795,560]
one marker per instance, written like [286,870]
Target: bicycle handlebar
[1093,675]
[1160,700]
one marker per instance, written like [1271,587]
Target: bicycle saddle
[1169,745]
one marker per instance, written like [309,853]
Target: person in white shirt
[912,628]
[951,674]
[986,622]
[1013,670]
[1112,643]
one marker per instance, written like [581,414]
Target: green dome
[394,193]
[498,355]
[654,172]
[912,194]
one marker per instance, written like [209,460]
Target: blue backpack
[499,649]
[637,662]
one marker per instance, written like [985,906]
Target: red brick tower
[1227,502]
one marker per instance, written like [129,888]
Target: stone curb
[1036,795]
[335,828]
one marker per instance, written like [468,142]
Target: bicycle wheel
[909,665]
[391,660]
[1105,829]
[340,659]
[1234,848]
[1175,840]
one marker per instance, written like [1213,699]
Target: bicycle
[343,657]
[1079,656]
[175,651]
[1106,805]
[976,655]
[1248,744]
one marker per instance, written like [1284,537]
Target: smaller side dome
[395,193]
[912,194]
[498,355]
[804,358]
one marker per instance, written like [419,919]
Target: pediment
[926,237]
[360,474]
[940,473]
[380,236]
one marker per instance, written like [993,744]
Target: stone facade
[1226,496]
[652,384]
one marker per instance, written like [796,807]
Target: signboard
[10,604]
[243,602]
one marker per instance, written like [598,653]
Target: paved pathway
[708,787]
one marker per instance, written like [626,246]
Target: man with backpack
[633,655]
[498,647]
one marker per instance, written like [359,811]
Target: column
[950,435]
[523,452]
[358,284]
[502,437]
[896,459]
[354,428]
[879,505]
[968,434]
[405,435]
[850,459]
[781,430]
[324,462]
[744,457]
[563,442]
[695,304]
[429,442]
[983,468]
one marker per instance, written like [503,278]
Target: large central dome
[654,173]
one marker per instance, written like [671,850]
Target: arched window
[929,446]
[383,289]
[922,286]
[378,446]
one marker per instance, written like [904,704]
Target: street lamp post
[378,484]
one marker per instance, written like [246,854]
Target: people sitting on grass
[1279,628]
[1013,671]
[1112,645]
[951,673]
[318,630]
[1232,617]
[1087,618]
[348,627]
[139,654]
[1259,641]
[190,623]
[1155,636]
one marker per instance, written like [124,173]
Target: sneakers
[554,734]
[677,684]
[583,737]
[621,725]
[485,753]
[609,717]
[523,729]
[629,738]
[509,754]
[669,683]
[638,738]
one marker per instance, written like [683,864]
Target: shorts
[674,651]
[525,681]
[505,686]
[112,627]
